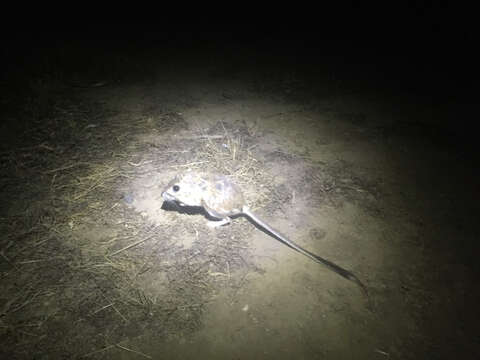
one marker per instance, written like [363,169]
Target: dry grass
[83,275]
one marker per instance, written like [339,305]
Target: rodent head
[186,190]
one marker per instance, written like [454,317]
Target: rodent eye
[176,188]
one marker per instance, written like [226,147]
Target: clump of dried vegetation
[84,275]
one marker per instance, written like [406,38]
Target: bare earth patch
[93,265]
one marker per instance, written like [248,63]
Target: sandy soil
[94,266]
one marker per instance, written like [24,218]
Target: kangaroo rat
[221,199]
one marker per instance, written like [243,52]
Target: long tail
[334,267]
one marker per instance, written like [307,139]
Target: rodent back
[223,196]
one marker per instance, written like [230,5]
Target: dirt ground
[94,265]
